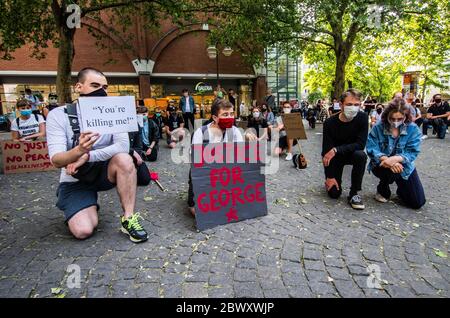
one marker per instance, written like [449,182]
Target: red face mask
[226,123]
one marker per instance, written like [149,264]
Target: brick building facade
[157,66]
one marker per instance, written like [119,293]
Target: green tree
[51,22]
[299,25]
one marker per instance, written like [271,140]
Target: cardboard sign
[228,190]
[108,115]
[294,126]
[19,157]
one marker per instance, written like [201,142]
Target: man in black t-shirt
[437,116]
[173,127]
[344,140]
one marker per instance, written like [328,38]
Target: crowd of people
[354,132]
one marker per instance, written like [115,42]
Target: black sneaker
[134,229]
[356,202]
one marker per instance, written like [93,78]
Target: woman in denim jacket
[393,146]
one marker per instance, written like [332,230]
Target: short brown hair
[22,103]
[397,105]
[142,110]
[220,104]
[350,92]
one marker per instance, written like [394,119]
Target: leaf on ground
[146,199]
[20,209]
[439,253]
[56,291]
[415,225]
[303,201]
[282,201]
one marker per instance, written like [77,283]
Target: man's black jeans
[439,125]
[356,159]
[410,191]
[189,118]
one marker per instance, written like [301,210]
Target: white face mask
[397,124]
[287,110]
[256,115]
[350,112]
[337,105]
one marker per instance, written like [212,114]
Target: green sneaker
[134,229]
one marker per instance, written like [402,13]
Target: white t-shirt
[27,127]
[59,139]
[214,138]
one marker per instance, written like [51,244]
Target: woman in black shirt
[258,123]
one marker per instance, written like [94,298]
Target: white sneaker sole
[132,239]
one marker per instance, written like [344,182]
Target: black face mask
[379,110]
[97,93]
[438,101]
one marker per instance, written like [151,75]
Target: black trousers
[410,191]
[153,155]
[356,159]
[190,201]
[189,117]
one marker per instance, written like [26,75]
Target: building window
[282,75]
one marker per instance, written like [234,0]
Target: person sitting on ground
[257,123]
[416,113]
[91,163]
[173,127]
[158,119]
[344,140]
[437,116]
[393,146]
[220,129]
[375,116]
[150,136]
[268,114]
[284,144]
[28,126]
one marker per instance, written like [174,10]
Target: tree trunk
[66,53]
[339,76]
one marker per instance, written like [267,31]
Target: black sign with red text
[228,183]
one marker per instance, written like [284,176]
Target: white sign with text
[108,115]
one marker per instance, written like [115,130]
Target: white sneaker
[289,156]
[424,137]
[380,198]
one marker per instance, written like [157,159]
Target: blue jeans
[410,191]
[439,125]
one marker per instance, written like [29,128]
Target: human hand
[329,183]
[87,140]
[397,168]
[138,158]
[72,168]
[328,156]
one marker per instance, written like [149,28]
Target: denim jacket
[381,143]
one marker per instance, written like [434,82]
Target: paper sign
[227,192]
[108,115]
[19,157]
[294,126]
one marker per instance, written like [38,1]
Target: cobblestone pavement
[308,245]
